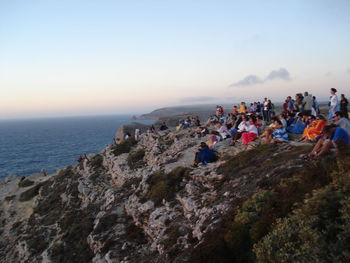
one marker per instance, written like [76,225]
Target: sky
[65,58]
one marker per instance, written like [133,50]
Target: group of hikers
[300,116]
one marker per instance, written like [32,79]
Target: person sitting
[261,124]
[282,118]
[204,155]
[340,120]
[332,136]
[290,119]
[213,139]
[314,129]
[277,133]
[237,133]
[251,134]
[224,132]
[299,126]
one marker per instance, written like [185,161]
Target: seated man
[237,133]
[341,121]
[299,126]
[333,136]
[204,155]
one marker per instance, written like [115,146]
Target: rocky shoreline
[143,202]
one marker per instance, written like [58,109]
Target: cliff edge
[141,201]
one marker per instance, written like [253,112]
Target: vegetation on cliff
[303,218]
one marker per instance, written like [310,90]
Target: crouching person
[204,155]
[333,136]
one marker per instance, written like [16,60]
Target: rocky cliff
[143,202]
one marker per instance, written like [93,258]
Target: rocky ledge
[143,202]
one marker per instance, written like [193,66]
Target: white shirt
[334,100]
[243,126]
[253,129]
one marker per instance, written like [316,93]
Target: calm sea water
[27,146]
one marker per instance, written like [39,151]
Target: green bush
[135,159]
[317,231]
[256,217]
[25,183]
[165,186]
[124,147]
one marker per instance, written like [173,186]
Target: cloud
[198,99]
[281,73]
[251,80]
[247,81]
[348,71]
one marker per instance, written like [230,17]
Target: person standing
[315,106]
[43,172]
[333,104]
[344,106]
[307,104]
[266,110]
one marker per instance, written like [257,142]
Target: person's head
[281,116]
[311,118]
[306,93]
[265,99]
[338,115]
[203,145]
[252,118]
[328,130]
[342,96]
[313,97]
[289,98]
[333,91]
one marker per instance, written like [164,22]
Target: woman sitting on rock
[314,129]
[204,155]
[252,131]
[276,133]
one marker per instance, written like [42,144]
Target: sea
[27,146]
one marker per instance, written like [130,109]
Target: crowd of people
[300,118]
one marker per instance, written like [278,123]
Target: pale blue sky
[105,57]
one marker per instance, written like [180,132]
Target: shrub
[165,186]
[25,183]
[317,231]
[124,147]
[135,159]
[257,216]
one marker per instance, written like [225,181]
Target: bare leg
[325,148]
[317,147]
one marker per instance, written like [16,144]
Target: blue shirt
[340,135]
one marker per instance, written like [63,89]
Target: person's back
[344,123]
[206,155]
[340,135]
[307,103]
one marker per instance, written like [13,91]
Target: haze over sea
[27,146]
